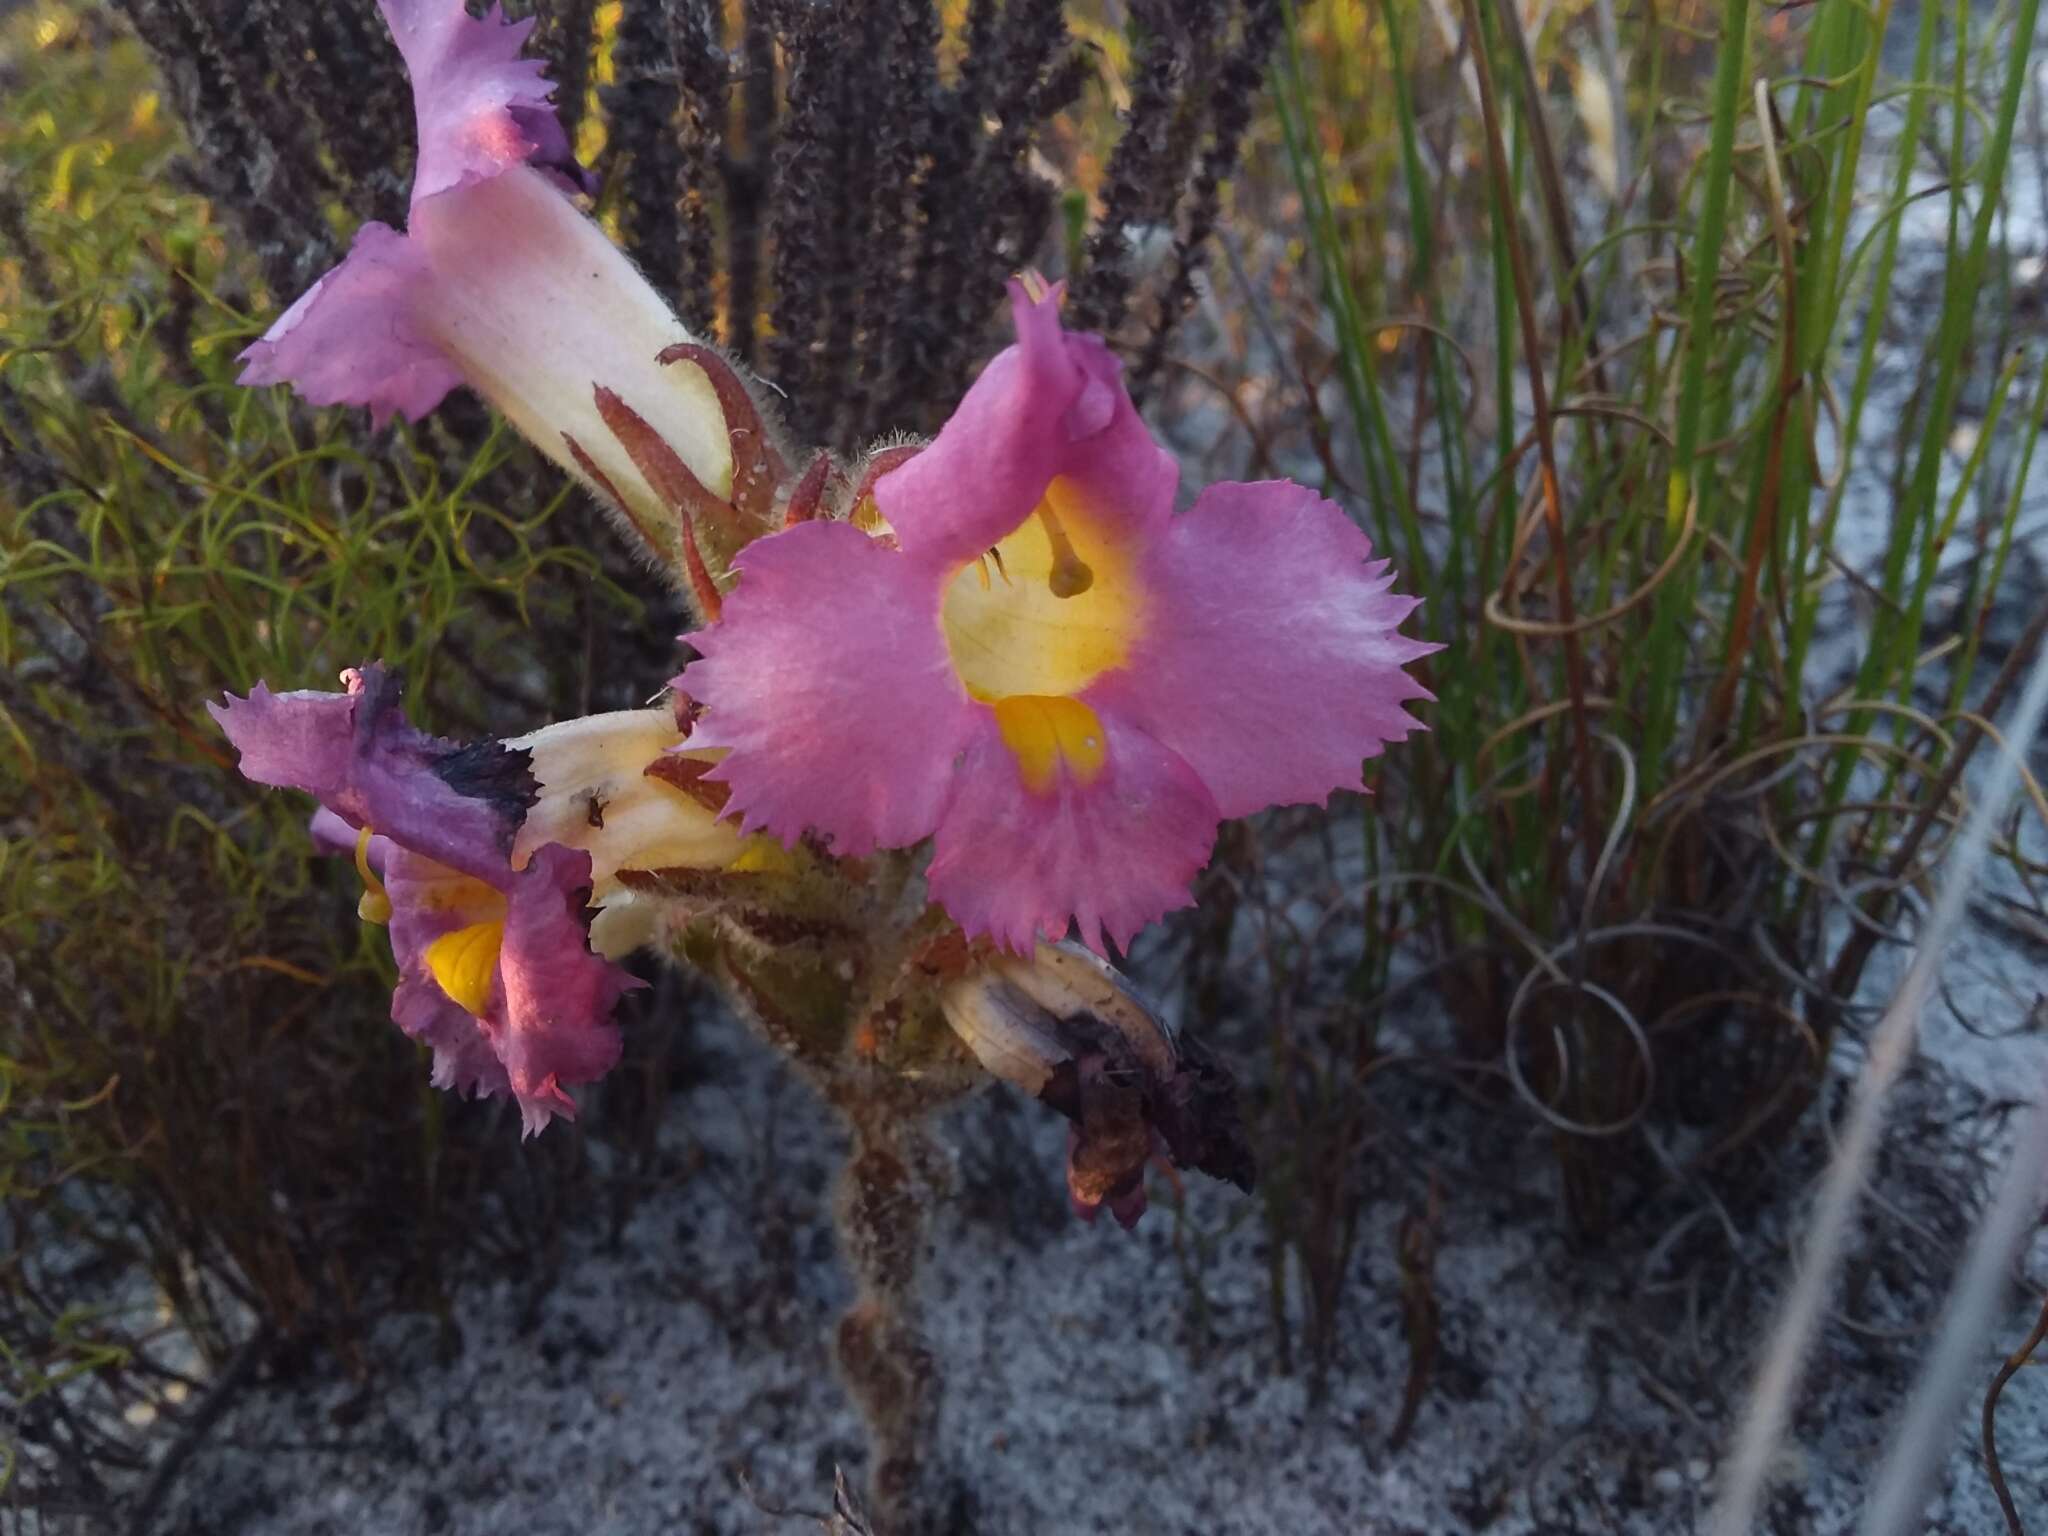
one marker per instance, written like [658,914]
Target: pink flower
[496,973]
[1035,662]
[499,281]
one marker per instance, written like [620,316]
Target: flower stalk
[1005,642]
[883,1210]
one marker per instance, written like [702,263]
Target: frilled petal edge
[558,997]
[1110,856]
[1271,658]
[428,900]
[481,107]
[354,337]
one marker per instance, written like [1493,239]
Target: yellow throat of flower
[1033,622]
[464,963]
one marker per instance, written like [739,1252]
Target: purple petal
[446,816]
[1110,855]
[355,337]
[829,680]
[547,1022]
[481,108]
[427,901]
[1270,658]
[558,997]
[464,1061]
[356,754]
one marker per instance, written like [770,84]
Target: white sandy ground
[1113,1383]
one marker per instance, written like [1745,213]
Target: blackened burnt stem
[565,39]
[243,45]
[748,178]
[704,81]
[904,83]
[643,104]
[887,1362]
[994,210]
[1031,210]
[1135,173]
[329,71]
[819,223]
[801,219]
[239,166]
[918,339]
[1230,114]
[1034,35]
[859,178]
[1203,25]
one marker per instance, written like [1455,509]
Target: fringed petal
[829,682]
[556,1029]
[1097,683]
[464,1062]
[1109,855]
[545,1017]
[356,754]
[1270,658]
[356,336]
[495,965]
[481,108]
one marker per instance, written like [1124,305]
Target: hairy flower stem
[889,1367]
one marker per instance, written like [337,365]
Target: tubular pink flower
[1038,664]
[496,973]
[499,281]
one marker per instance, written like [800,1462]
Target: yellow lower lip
[1048,735]
[464,963]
